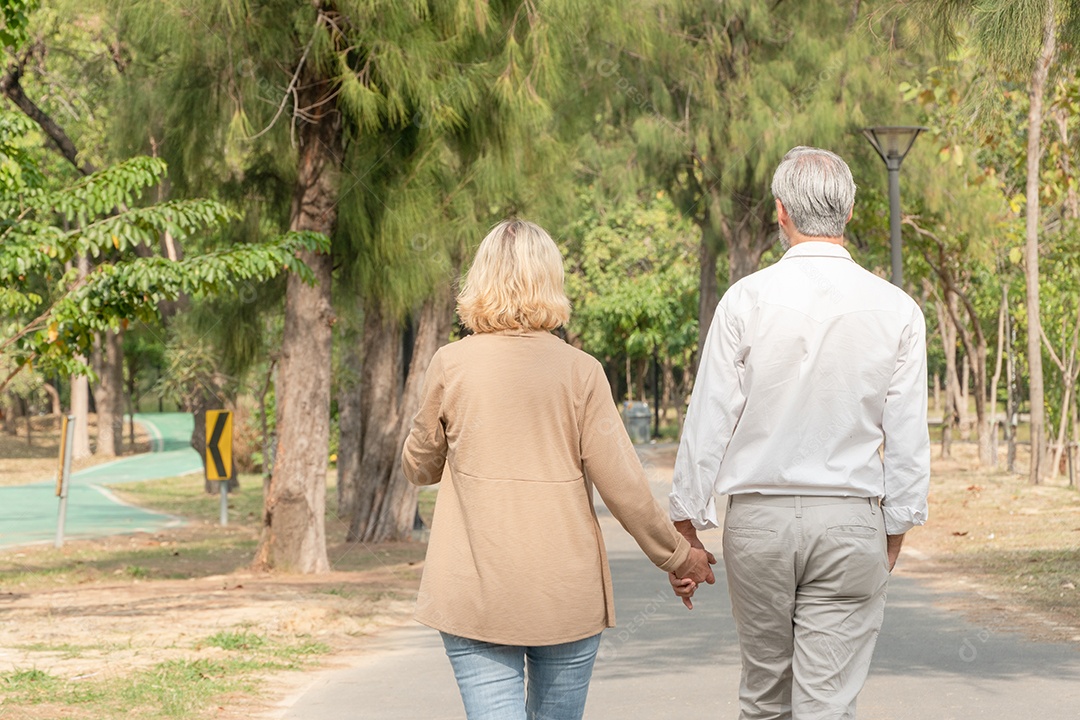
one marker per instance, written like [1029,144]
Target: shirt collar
[817,248]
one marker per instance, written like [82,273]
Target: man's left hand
[686,587]
[687,530]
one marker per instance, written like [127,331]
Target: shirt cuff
[704,519]
[898,520]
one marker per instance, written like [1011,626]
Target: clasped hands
[696,570]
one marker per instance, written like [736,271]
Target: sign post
[219,462]
[63,474]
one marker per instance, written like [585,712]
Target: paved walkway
[28,512]
[665,662]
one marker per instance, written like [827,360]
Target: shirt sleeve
[716,404]
[907,437]
[424,454]
[612,466]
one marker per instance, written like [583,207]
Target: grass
[163,673]
[189,555]
[236,640]
[175,688]
[186,496]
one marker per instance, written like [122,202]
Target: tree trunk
[1067,365]
[1031,245]
[1063,429]
[667,399]
[951,415]
[386,501]
[984,421]
[110,394]
[80,409]
[992,399]
[974,366]
[54,398]
[746,245]
[27,412]
[350,421]
[269,440]
[132,400]
[1074,412]
[638,373]
[1011,419]
[954,386]
[80,394]
[294,530]
[7,409]
[965,384]
[709,292]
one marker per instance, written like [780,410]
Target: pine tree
[484,145]
[413,123]
[732,87]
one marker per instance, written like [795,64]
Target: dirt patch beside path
[95,628]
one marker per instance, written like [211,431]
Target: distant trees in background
[366,148]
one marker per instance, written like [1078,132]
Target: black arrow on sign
[215,448]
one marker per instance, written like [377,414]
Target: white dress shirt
[810,367]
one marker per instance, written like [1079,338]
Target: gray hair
[816,189]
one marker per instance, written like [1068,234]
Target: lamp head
[892,142]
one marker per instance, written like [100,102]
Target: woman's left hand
[684,588]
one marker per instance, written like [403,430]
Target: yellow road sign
[219,437]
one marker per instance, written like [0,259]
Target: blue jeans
[491,678]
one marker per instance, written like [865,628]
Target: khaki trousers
[807,578]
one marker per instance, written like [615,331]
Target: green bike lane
[28,513]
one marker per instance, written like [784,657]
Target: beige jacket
[527,426]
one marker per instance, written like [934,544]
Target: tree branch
[1050,349]
[11,87]
[950,284]
[18,369]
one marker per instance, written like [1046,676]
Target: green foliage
[632,280]
[17,168]
[447,109]
[45,230]
[717,93]
[1006,32]
[15,17]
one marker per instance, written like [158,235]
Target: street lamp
[892,144]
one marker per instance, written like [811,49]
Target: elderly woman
[516,574]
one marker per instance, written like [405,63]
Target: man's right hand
[893,548]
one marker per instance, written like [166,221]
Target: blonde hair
[515,282]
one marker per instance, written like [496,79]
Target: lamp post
[892,143]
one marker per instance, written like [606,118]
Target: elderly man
[809,414]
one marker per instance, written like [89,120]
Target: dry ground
[1013,547]
[108,615]
[175,624]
